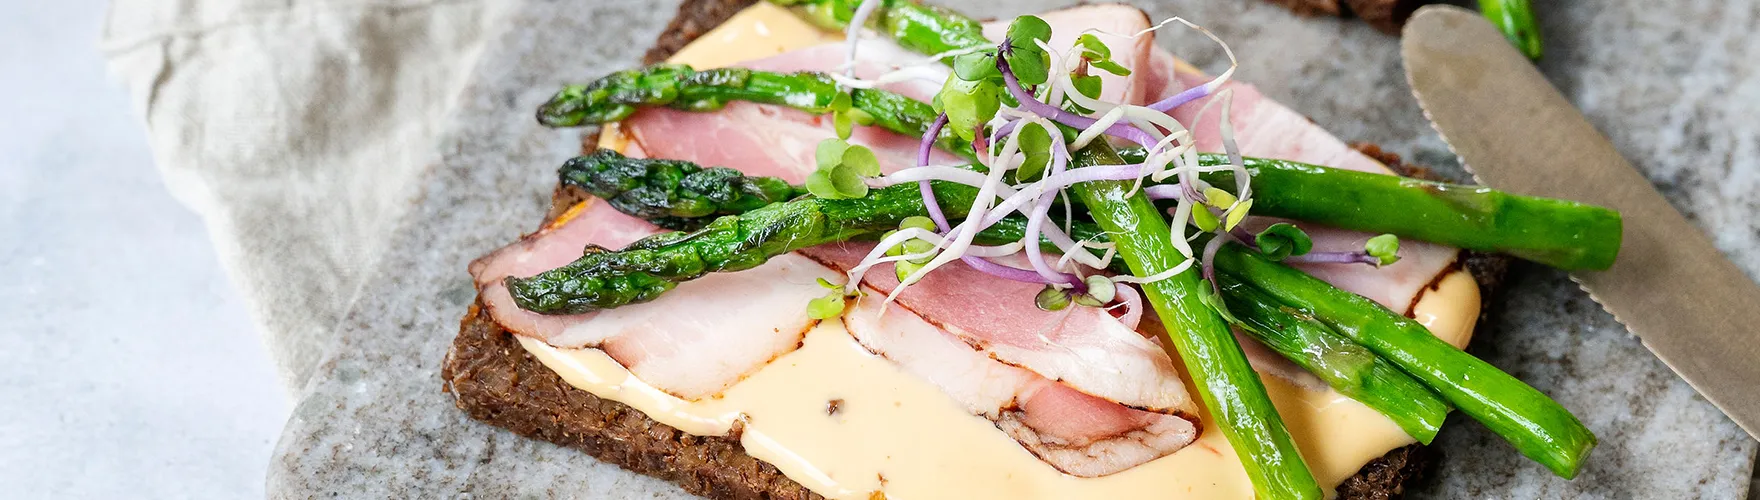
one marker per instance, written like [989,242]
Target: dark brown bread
[1311,7]
[1385,15]
[498,382]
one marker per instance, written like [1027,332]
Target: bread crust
[1385,15]
[496,381]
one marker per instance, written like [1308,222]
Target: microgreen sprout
[1384,248]
[1036,146]
[842,170]
[1098,55]
[1282,240]
[1094,291]
[1025,107]
[1204,219]
[844,117]
[1377,251]
[1021,50]
[968,104]
[831,304]
[1052,299]
[1210,295]
[921,249]
[1100,291]
[853,32]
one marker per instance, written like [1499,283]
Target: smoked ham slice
[1266,129]
[1113,24]
[1078,388]
[1085,348]
[754,138]
[692,342]
[1077,433]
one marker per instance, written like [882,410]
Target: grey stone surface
[374,422]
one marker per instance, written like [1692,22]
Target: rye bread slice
[1385,15]
[498,382]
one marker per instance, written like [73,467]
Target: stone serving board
[1676,89]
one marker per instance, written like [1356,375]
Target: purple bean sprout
[929,202]
[1358,257]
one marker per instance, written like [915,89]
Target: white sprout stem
[878,255]
[1035,106]
[903,74]
[1169,273]
[1073,250]
[957,175]
[1225,128]
[1242,181]
[1069,214]
[1181,214]
[1132,301]
[853,32]
[1057,182]
[1005,129]
[1077,250]
[1055,92]
[879,252]
[994,251]
[1207,88]
[996,200]
[1100,127]
[980,206]
[1209,259]
[1036,220]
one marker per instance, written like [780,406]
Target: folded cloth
[294,128]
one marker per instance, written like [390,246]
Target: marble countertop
[130,369]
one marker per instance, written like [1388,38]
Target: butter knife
[1688,303]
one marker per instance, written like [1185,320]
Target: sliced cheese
[847,424]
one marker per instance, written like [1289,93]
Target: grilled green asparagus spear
[1275,468]
[649,267]
[607,279]
[922,28]
[1559,233]
[670,193]
[1341,363]
[880,211]
[1563,234]
[615,97]
[1226,383]
[1516,19]
[1538,426]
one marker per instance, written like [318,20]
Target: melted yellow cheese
[897,434]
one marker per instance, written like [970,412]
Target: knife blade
[1514,131]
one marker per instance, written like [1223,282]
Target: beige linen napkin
[293,128]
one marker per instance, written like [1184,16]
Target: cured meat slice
[1085,348]
[1266,129]
[1076,432]
[1113,24]
[693,342]
[778,141]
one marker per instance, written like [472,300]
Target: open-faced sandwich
[876,249]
